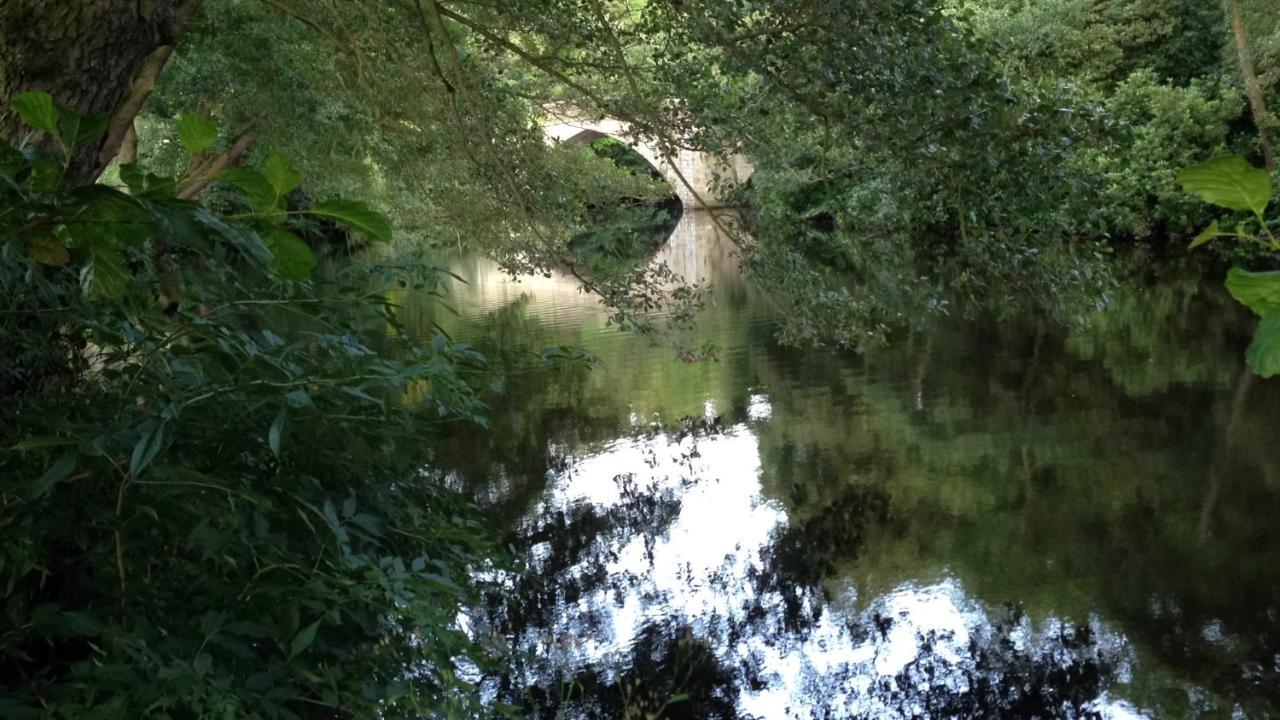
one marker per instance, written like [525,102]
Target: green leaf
[293,258]
[1260,291]
[276,433]
[41,442]
[103,214]
[1208,234]
[79,129]
[147,447]
[144,184]
[356,215]
[46,250]
[196,132]
[1229,182]
[202,664]
[282,176]
[91,128]
[303,639]
[238,236]
[37,110]
[104,277]
[1263,354]
[298,398]
[46,175]
[256,187]
[59,471]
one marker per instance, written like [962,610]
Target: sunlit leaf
[256,187]
[282,176]
[356,215]
[1260,291]
[1229,182]
[196,132]
[37,110]
[1208,234]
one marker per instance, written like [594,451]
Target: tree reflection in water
[662,579]
[1113,481]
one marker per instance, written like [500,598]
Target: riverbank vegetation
[217,498]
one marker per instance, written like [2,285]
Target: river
[980,519]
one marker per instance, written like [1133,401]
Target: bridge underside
[692,173]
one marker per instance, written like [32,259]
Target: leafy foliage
[216,502]
[910,155]
[1233,184]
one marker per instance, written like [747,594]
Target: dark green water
[983,519]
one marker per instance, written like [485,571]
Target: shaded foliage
[210,507]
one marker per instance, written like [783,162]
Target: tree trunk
[1252,88]
[95,56]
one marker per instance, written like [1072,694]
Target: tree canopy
[217,501]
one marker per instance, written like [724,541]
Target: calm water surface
[983,519]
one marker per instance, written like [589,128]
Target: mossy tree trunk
[95,56]
[1252,88]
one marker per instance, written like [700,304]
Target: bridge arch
[567,126]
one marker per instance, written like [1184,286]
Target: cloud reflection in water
[662,546]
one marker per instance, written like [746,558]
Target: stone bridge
[569,126]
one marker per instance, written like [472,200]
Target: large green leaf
[1263,354]
[244,239]
[1229,182]
[104,277]
[1260,291]
[356,215]
[196,132]
[37,110]
[282,176]
[79,129]
[102,214]
[293,258]
[176,221]
[257,188]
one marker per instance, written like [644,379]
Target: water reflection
[982,520]
[663,547]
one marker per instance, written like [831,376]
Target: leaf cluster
[1230,182]
[216,501]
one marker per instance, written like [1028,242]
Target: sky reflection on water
[984,519]
[694,570]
